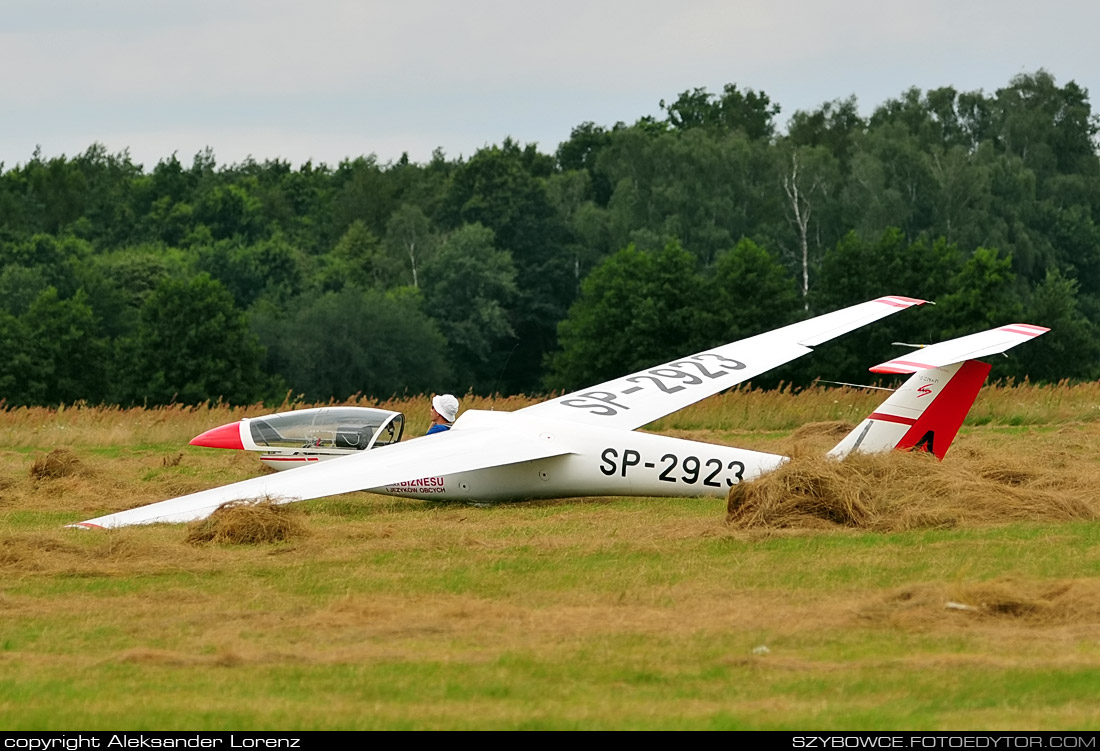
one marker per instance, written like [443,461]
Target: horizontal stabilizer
[991,342]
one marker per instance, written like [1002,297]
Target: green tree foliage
[503,189]
[1051,128]
[119,282]
[590,231]
[994,168]
[1071,349]
[16,363]
[699,187]
[410,241]
[835,125]
[193,344]
[362,193]
[20,285]
[54,352]
[268,268]
[811,183]
[983,294]
[581,154]
[68,356]
[749,112]
[980,201]
[749,291]
[970,292]
[636,309]
[469,287]
[231,211]
[89,193]
[857,270]
[359,259]
[354,341]
[31,265]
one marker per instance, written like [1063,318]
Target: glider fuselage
[594,462]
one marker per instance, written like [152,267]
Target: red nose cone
[225,437]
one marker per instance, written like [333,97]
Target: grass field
[894,593]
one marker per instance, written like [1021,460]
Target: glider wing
[453,451]
[638,399]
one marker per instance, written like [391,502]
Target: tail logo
[924,390]
[925,443]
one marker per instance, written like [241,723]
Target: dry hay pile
[834,429]
[910,490]
[247,522]
[56,464]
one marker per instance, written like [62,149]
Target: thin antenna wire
[506,361]
[857,385]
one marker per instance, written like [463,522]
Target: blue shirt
[437,428]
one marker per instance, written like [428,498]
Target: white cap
[446,405]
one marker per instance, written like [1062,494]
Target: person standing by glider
[444,412]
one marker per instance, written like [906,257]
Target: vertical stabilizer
[924,414]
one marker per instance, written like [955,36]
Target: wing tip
[1027,329]
[84,525]
[900,301]
[900,366]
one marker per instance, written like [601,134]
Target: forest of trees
[519,271]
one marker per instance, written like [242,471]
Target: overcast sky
[331,79]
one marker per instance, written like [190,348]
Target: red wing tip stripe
[884,417]
[1025,329]
[901,366]
[900,302]
[86,525]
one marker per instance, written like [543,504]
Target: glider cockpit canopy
[354,428]
[289,439]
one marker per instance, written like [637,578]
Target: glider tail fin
[929,408]
[923,415]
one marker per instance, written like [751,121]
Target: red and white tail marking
[929,408]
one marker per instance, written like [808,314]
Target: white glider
[585,443]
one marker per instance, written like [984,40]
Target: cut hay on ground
[1060,602]
[899,490]
[831,429]
[58,463]
[247,522]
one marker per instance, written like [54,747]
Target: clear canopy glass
[346,428]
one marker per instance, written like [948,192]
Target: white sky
[331,79]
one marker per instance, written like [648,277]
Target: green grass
[251,644]
[599,614]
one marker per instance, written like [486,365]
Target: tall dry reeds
[102,426]
[751,409]
[741,409]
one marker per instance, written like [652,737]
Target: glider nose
[225,437]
